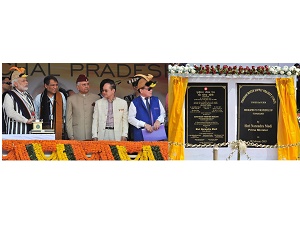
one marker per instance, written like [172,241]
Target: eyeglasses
[8,83]
[104,90]
[149,89]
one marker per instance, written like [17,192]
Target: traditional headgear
[82,78]
[18,72]
[140,80]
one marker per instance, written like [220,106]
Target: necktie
[148,105]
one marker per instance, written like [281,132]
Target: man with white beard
[18,106]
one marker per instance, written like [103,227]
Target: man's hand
[30,121]
[123,138]
[95,139]
[149,128]
[156,125]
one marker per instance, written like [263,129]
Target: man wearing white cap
[18,106]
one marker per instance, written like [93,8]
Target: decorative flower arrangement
[234,70]
[79,150]
[187,69]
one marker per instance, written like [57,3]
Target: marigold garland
[79,150]
[61,153]
[10,155]
[21,152]
[156,152]
[69,152]
[146,154]
[123,153]
[106,153]
[115,152]
[40,154]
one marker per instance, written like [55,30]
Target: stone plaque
[257,113]
[206,113]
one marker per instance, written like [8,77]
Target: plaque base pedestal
[43,131]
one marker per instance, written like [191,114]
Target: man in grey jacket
[80,109]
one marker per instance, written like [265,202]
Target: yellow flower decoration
[61,152]
[38,150]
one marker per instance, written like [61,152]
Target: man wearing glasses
[145,111]
[110,115]
[51,106]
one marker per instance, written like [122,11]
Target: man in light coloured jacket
[110,115]
[80,109]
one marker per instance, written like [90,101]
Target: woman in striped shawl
[18,106]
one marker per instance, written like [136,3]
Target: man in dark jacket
[145,111]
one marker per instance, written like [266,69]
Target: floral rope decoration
[61,152]
[37,148]
[123,153]
[82,150]
[234,70]
[78,152]
[40,154]
[156,152]
[147,153]
[106,153]
[69,152]
[10,156]
[31,153]
[115,152]
[138,157]
[21,152]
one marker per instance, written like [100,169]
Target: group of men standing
[83,115]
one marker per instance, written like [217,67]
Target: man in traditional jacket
[51,107]
[110,115]
[145,111]
[18,106]
[80,108]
